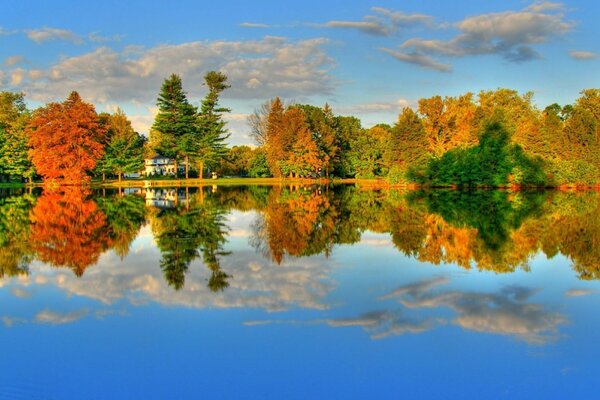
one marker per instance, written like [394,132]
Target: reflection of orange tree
[68,229]
[297,222]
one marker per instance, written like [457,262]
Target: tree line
[495,138]
[69,142]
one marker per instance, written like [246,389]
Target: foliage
[68,229]
[66,140]
[211,147]
[494,162]
[174,127]
[124,151]
[14,116]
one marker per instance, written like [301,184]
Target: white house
[161,165]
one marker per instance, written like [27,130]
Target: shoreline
[367,183]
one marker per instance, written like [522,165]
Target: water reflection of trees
[192,229]
[498,231]
[15,232]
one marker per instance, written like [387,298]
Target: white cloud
[510,34]
[57,318]
[385,22]
[583,55]
[393,107]
[371,27]
[282,67]
[253,25]
[16,76]
[97,38]
[419,59]
[13,60]
[47,34]
[5,32]
[382,324]
[507,312]
[578,292]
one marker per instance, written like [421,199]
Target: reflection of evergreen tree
[491,212]
[188,231]
[125,216]
[15,247]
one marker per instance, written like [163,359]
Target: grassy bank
[366,183]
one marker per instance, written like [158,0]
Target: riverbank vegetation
[496,138]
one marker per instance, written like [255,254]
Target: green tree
[211,147]
[175,123]
[408,146]
[125,148]
[14,147]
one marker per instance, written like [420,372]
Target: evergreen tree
[213,134]
[175,121]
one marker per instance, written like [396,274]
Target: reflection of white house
[164,198]
[161,165]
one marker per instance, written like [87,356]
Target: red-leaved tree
[66,140]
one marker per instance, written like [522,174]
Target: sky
[368,59]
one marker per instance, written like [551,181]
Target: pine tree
[212,132]
[175,121]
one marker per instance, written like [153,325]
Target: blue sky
[369,59]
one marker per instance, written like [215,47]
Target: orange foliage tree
[66,140]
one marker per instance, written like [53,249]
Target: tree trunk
[103,177]
[187,197]
[118,173]
[201,170]
[175,165]
[187,167]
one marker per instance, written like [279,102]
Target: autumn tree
[66,140]
[438,134]
[304,158]
[175,128]
[277,143]
[321,124]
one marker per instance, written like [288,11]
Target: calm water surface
[299,292]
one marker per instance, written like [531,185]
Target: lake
[298,292]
